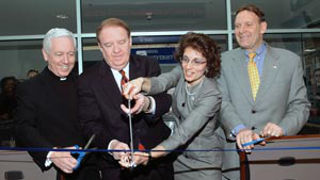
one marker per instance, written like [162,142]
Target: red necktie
[141,147]
[124,78]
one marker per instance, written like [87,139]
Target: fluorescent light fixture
[62,16]
[310,50]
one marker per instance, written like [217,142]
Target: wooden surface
[284,158]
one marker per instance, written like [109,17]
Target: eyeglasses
[196,61]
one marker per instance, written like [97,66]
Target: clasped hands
[131,90]
[248,135]
[123,155]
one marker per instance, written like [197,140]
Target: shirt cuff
[48,161]
[109,145]
[237,129]
[152,108]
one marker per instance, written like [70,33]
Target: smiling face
[249,30]
[115,45]
[194,65]
[61,56]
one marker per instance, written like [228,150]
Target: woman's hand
[141,104]
[143,158]
[132,88]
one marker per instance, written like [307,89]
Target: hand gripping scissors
[132,164]
[82,153]
[257,141]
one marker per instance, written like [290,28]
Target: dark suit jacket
[47,114]
[100,112]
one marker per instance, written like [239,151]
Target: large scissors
[132,164]
[82,153]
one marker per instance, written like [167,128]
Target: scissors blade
[130,128]
[90,141]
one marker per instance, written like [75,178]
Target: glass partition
[286,14]
[17,57]
[32,17]
[157,15]
[311,55]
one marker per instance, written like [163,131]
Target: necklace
[195,90]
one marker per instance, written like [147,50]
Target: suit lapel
[240,71]
[109,85]
[269,73]
[135,70]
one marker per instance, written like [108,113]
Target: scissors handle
[80,157]
[253,142]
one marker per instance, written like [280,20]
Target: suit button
[183,104]
[253,111]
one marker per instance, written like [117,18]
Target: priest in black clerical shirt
[46,115]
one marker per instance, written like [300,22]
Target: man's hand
[64,160]
[132,88]
[141,102]
[245,136]
[119,155]
[142,158]
[272,130]
[138,158]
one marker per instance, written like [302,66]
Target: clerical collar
[57,78]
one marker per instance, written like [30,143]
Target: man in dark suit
[47,109]
[100,99]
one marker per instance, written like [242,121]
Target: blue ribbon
[175,150]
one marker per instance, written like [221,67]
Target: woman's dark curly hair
[206,46]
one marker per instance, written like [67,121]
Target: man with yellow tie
[263,92]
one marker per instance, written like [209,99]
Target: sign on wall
[164,55]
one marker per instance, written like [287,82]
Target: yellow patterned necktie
[253,75]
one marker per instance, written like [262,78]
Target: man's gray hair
[55,33]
